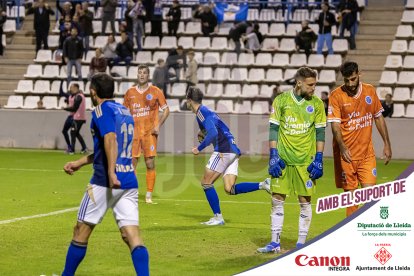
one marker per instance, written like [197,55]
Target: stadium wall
[41,129]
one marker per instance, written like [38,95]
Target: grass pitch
[33,184]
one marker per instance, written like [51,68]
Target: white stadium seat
[204,73]
[211,58]
[388,78]
[250,91]
[408,62]
[316,61]
[43,56]
[382,91]
[224,106]
[243,108]
[399,111]
[393,62]
[41,86]
[50,102]
[168,42]
[274,75]
[263,59]
[30,102]
[398,46]
[214,90]
[33,71]
[270,44]
[404,32]
[222,74]
[297,60]
[219,43]
[410,111]
[406,78]
[24,86]
[14,101]
[232,91]
[173,105]
[202,43]
[256,75]
[333,61]
[260,107]
[239,74]
[281,60]
[401,94]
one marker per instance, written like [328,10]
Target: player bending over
[296,141]
[224,160]
[113,183]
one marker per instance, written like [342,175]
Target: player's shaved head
[348,68]
[103,84]
[195,94]
[304,73]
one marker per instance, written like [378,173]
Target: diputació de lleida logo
[384,212]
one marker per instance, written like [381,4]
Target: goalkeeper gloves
[315,169]
[276,164]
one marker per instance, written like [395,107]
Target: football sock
[148,195]
[244,187]
[305,218]
[74,257]
[277,215]
[150,179]
[212,198]
[351,209]
[140,259]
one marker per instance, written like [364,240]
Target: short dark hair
[304,73]
[75,84]
[143,66]
[103,84]
[348,68]
[195,94]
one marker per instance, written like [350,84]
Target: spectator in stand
[72,54]
[109,9]
[40,104]
[173,16]
[208,19]
[177,60]
[3,18]
[67,10]
[236,32]
[41,23]
[65,29]
[191,72]
[325,21]
[85,25]
[253,40]
[160,76]
[388,106]
[124,50]
[348,12]
[109,50]
[305,39]
[138,14]
[156,18]
[98,64]
[127,24]
[325,100]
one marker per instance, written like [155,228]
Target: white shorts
[224,163]
[98,199]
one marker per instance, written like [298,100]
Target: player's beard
[94,100]
[352,90]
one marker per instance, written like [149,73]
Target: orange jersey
[144,107]
[356,115]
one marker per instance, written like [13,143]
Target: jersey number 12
[127,147]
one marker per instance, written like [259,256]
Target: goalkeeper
[296,141]
[224,160]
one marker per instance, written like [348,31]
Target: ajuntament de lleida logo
[384,212]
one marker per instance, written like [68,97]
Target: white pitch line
[158,199]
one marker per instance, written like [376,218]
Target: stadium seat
[124,86]
[287,45]
[410,111]
[88,103]
[408,17]
[321,88]
[214,90]
[408,62]
[327,77]
[393,62]
[229,58]
[281,60]
[239,74]
[382,91]
[211,58]
[333,61]
[264,28]
[289,74]
[256,75]
[119,72]
[41,86]
[193,28]
[399,111]
[62,103]
[186,41]
[409,4]
[267,15]
[24,86]
[404,32]
[152,42]
[43,56]
[99,41]
[316,61]
[14,101]
[406,78]
[232,91]
[270,44]
[401,94]
[168,42]
[340,45]
[198,56]
[263,59]
[53,41]
[243,107]
[274,75]
[204,74]
[144,57]
[246,59]
[277,29]
[297,60]
[410,49]
[252,14]
[9,26]
[219,43]
[398,46]
[210,104]
[30,102]
[133,73]
[250,91]
[260,107]
[88,57]
[292,29]
[173,105]
[202,43]
[299,15]
[119,100]
[33,71]
[388,78]
[224,106]
[266,91]
[178,89]
[222,74]
[202,87]
[50,102]
[224,28]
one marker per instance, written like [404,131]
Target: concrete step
[9,84]
[364,44]
[11,62]
[369,52]
[371,36]
[378,29]
[31,40]
[21,47]
[24,54]
[381,15]
[3,98]
[13,70]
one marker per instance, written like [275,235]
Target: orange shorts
[348,176]
[147,143]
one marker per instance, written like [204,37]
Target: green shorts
[294,180]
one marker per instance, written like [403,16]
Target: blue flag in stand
[231,12]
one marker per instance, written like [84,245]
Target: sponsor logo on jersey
[310,109]
[152,147]
[149,97]
[368,100]
[374,171]
[309,184]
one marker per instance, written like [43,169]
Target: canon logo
[304,260]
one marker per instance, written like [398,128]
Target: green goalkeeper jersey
[297,121]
